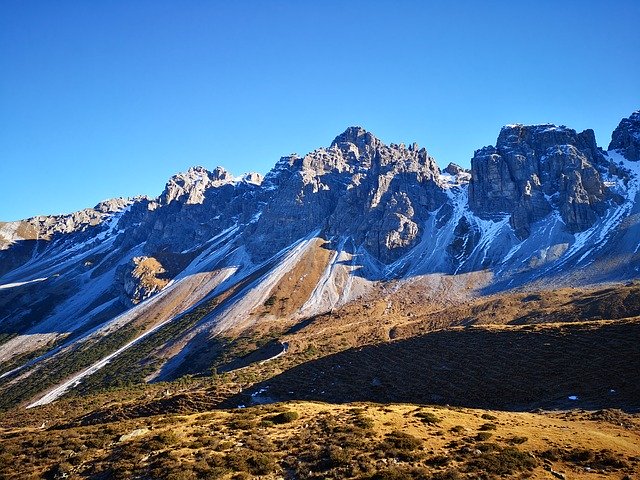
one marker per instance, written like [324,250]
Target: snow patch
[19,284]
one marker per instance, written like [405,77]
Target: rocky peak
[115,204]
[626,137]
[535,168]
[454,169]
[219,174]
[355,142]
[189,187]
[252,177]
[281,171]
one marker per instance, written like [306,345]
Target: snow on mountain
[220,253]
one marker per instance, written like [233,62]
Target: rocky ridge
[534,170]
[626,137]
[545,205]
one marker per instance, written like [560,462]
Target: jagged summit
[626,137]
[353,134]
[537,169]
[358,137]
[190,187]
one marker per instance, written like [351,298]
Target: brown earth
[311,440]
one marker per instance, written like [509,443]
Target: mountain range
[156,288]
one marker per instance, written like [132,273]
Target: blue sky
[106,99]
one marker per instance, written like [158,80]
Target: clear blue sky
[105,99]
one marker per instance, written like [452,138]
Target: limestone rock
[454,169]
[626,137]
[141,278]
[190,187]
[535,169]
[357,187]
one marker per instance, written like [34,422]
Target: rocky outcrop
[454,169]
[533,170]
[46,226]
[190,187]
[359,187]
[626,137]
[141,278]
[197,205]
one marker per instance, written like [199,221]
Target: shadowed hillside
[512,368]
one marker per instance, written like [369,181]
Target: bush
[261,463]
[167,438]
[438,460]
[398,473]
[488,426]
[362,421]
[182,475]
[448,475]
[254,462]
[62,470]
[284,417]
[402,441]
[428,417]
[503,461]
[516,440]
[483,436]
[602,459]
[242,424]
[333,457]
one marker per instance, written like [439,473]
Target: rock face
[455,169]
[626,137]
[321,230]
[358,187]
[534,170]
[141,278]
[195,206]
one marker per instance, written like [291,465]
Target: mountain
[149,289]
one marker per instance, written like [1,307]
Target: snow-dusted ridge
[386,213]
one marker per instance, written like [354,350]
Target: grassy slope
[405,343]
[331,441]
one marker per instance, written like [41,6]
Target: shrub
[247,461]
[398,473]
[448,475]
[553,454]
[242,424]
[488,426]
[362,421]
[261,463]
[284,417]
[602,459]
[167,438]
[62,470]
[428,417]
[402,441]
[516,440]
[438,460]
[182,475]
[333,457]
[483,436]
[503,462]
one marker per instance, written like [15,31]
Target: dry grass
[325,441]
